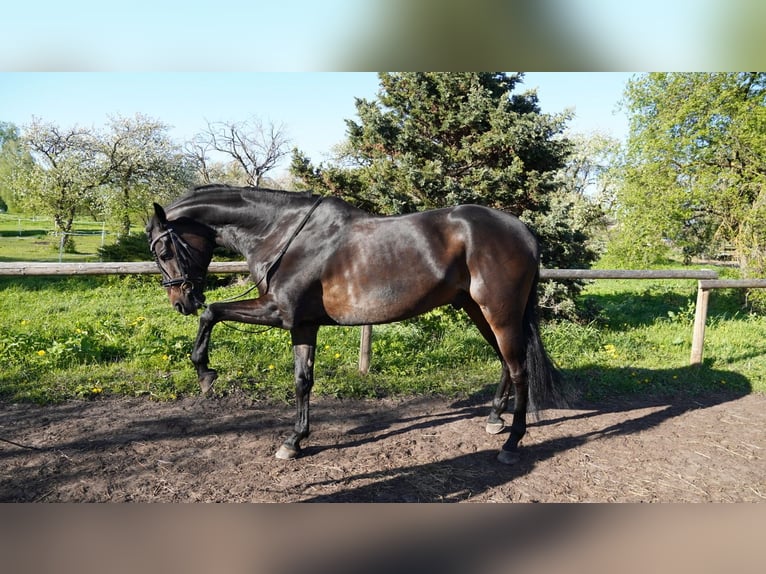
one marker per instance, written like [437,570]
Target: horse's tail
[544,379]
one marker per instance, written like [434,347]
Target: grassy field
[85,337]
[27,238]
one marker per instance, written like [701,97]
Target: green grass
[83,337]
[639,341]
[25,238]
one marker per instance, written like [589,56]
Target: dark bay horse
[319,261]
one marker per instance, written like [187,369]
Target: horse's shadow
[465,476]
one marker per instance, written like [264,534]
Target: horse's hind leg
[509,454]
[495,422]
[511,343]
[507,337]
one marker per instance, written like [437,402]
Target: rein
[294,234]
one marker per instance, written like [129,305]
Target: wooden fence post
[700,318]
[365,349]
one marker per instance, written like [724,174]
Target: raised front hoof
[508,457]
[286,452]
[495,427]
[206,381]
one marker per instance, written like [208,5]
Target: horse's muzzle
[185,301]
[183,309]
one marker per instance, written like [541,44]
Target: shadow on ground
[670,392]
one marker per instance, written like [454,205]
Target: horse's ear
[160,213]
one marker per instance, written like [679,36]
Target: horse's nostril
[179,307]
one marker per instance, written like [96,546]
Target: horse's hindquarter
[502,257]
[387,269]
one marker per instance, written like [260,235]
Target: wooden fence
[707,280]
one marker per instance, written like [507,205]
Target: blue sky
[312,107]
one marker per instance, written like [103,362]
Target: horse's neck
[239,221]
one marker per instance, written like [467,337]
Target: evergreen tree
[436,139]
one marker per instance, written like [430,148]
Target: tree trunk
[63,224]
[125,231]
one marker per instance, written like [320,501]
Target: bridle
[186,256]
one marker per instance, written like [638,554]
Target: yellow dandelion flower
[337,355]
[24,322]
[272,367]
[41,352]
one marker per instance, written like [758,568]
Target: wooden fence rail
[563,274]
[707,280]
[23,268]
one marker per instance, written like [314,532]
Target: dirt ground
[421,449]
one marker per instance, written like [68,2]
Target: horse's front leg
[304,346]
[261,311]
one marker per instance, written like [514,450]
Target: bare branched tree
[197,151]
[256,148]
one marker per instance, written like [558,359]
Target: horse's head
[182,249]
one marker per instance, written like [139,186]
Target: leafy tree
[590,168]
[63,176]
[66,172]
[695,170]
[13,156]
[141,163]
[8,132]
[438,139]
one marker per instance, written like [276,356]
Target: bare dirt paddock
[422,449]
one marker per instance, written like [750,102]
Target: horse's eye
[166,254]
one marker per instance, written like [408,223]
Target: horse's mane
[244,191]
[228,204]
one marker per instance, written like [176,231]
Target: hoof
[206,381]
[508,457]
[287,453]
[495,428]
